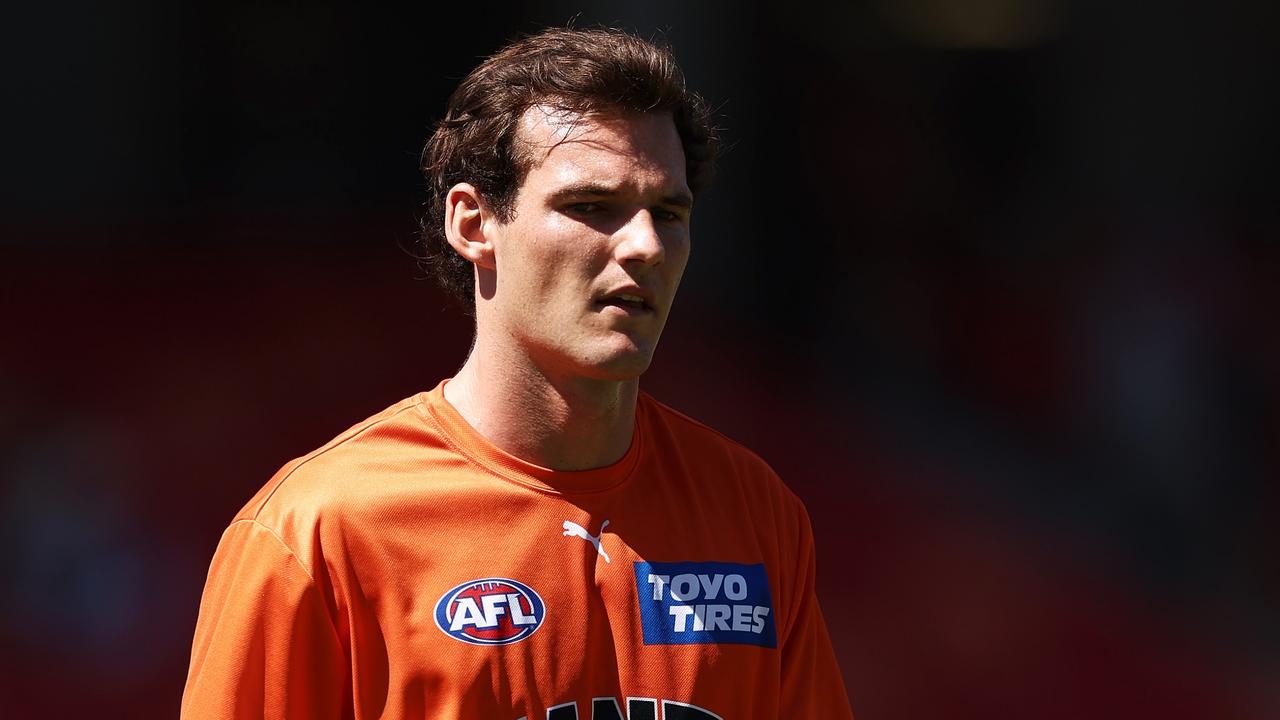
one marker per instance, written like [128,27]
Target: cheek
[553,256]
[677,251]
[568,248]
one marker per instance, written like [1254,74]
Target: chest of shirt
[541,605]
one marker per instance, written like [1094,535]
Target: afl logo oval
[490,611]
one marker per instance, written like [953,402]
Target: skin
[553,375]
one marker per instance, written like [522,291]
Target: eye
[584,208]
[664,215]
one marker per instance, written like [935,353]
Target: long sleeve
[812,686]
[265,645]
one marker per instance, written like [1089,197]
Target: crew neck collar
[475,446]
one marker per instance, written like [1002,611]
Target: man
[533,538]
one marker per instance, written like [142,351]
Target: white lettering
[468,613]
[636,707]
[711,585]
[681,613]
[658,582]
[492,610]
[758,615]
[735,587]
[713,618]
[699,618]
[716,616]
[517,611]
[684,587]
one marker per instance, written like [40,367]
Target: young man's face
[587,267]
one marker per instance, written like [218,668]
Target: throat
[578,424]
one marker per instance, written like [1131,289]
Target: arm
[811,682]
[265,646]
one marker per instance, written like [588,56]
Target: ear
[465,225]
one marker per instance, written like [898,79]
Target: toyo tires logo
[490,611]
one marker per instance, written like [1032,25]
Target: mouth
[629,303]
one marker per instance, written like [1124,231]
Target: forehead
[641,149]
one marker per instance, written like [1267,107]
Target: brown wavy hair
[585,72]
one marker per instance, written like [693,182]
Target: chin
[621,365]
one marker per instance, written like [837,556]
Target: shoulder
[731,493]
[670,426]
[344,473]
[705,449]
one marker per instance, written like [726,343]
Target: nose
[640,242]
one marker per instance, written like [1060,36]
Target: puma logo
[576,530]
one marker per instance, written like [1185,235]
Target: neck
[558,422]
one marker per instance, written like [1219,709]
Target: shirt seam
[272,532]
[311,580]
[445,433]
[337,442]
[664,408]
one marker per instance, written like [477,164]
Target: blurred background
[992,283]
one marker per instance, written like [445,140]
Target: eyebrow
[679,199]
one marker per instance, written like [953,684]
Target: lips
[632,300]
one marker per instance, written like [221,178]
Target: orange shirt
[409,568]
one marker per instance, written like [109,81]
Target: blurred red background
[991,284]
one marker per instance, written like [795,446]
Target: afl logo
[491,611]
